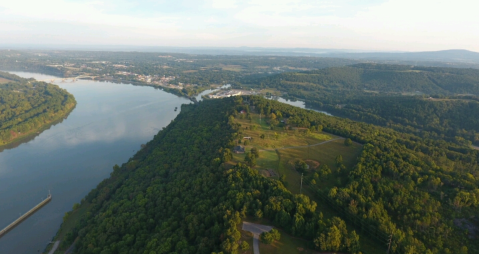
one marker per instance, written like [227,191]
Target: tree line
[28,105]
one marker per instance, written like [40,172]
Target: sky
[371,25]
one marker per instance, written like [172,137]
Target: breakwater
[26,215]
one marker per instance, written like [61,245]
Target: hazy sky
[411,25]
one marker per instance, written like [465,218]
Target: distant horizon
[369,25]
[101,47]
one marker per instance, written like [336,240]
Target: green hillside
[429,102]
[379,78]
[186,193]
[28,106]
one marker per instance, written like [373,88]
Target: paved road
[288,147]
[54,248]
[256,229]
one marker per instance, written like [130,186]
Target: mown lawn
[286,245]
[278,137]
[275,154]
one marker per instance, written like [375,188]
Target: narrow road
[54,248]
[289,147]
[70,249]
[475,147]
[256,229]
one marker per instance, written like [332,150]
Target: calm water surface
[107,127]
[299,104]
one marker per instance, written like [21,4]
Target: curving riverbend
[107,127]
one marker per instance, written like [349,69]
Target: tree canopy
[27,105]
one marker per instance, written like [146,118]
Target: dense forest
[176,195]
[423,192]
[27,105]
[379,78]
[430,102]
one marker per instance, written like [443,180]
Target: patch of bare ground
[312,164]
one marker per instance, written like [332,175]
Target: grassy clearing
[3,80]
[274,155]
[324,154]
[267,159]
[286,245]
[278,137]
[236,68]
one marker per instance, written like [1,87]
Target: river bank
[107,126]
[27,136]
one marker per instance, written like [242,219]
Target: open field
[324,154]
[236,68]
[277,138]
[286,245]
[3,80]
[277,152]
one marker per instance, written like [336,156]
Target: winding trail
[290,147]
[256,229]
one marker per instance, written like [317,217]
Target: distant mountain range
[454,57]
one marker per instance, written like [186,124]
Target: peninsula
[28,106]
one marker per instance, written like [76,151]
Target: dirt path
[289,147]
[475,147]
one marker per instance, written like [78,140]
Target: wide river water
[107,127]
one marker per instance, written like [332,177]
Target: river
[107,127]
[299,104]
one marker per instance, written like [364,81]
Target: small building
[243,112]
[238,149]
[248,138]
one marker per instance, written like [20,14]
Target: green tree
[266,238]
[255,152]
[339,160]
[250,159]
[244,246]
[331,241]
[301,166]
[258,214]
[348,142]
[275,234]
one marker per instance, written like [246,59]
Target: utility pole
[301,189]
[389,243]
